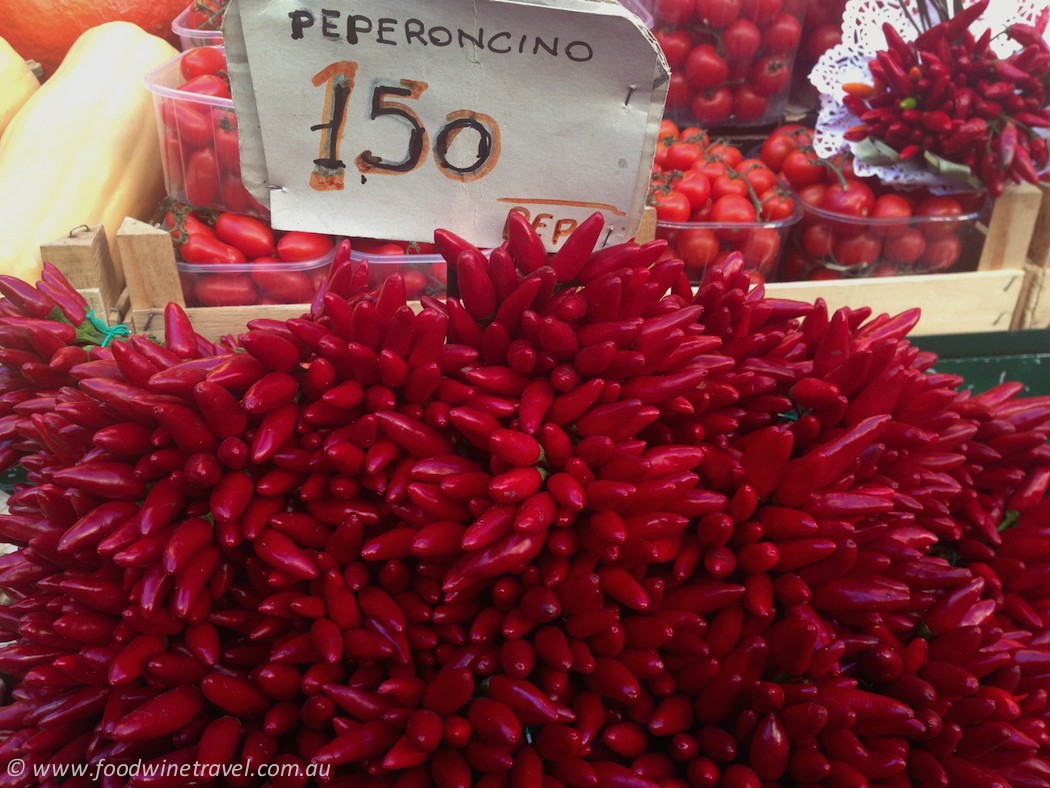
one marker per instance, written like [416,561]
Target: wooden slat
[149,265]
[1039,250]
[964,303]
[213,322]
[1011,228]
[84,259]
[1036,309]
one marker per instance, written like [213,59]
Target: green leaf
[952,170]
[875,152]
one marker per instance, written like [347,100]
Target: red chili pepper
[114,480]
[525,246]
[161,715]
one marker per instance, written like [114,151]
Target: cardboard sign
[390,118]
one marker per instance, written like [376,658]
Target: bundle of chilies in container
[580,525]
[948,96]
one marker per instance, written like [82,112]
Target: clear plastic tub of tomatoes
[711,200]
[731,60]
[200,24]
[228,259]
[424,271]
[852,227]
[856,228]
[821,30]
[197,125]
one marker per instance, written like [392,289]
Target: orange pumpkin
[44,30]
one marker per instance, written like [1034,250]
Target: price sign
[390,118]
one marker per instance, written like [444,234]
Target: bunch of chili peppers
[947,93]
[579,526]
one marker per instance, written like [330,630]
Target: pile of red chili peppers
[949,94]
[579,526]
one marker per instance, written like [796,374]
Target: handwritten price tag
[390,118]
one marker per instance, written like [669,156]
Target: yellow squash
[84,148]
[17,83]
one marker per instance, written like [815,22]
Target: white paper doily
[862,37]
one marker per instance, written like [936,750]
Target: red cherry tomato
[761,11]
[812,195]
[749,105]
[854,199]
[782,36]
[287,287]
[713,107]
[821,39]
[227,145]
[761,248]
[207,85]
[671,206]
[415,283]
[201,248]
[803,168]
[252,236]
[297,245]
[718,13]
[202,60]
[891,206]
[675,13]
[757,174]
[729,183]
[941,253]
[225,290]
[817,240]
[741,40]
[730,154]
[905,247]
[188,124]
[683,155]
[234,196]
[202,177]
[858,250]
[730,210]
[696,187]
[679,92]
[705,68]
[676,45]
[697,247]
[939,208]
[771,75]
[776,204]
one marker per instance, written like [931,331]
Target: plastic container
[424,274]
[190,36]
[199,145]
[821,30]
[700,244]
[731,63]
[224,284]
[826,245]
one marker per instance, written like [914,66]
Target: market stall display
[716,581]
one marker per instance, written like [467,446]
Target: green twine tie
[108,334]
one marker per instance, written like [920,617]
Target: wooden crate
[1006,292]
[1036,313]
[153,281]
[995,297]
[83,256]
